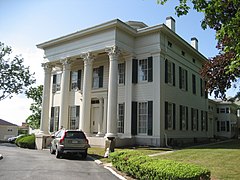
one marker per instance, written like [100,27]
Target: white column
[87,87]
[128,97]
[113,54]
[64,94]
[100,119]
[46,99]
[105,115]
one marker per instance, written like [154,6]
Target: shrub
[143,167]
[27,141]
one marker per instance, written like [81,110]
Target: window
[142,117]
[121,73]
[183,53]
[169,44]
[193,60]
[56,83]
[120,125]
[75,80]
[169,72]
[9,130]
[74,117]
[193,84]
[228,127]
[227,110]
[194,115]
[223,126]
[54,121]
[170,109]
[183,79]
[142,70]
[97,77]
[202,88]
[204,121]
[183,117]
[222,110]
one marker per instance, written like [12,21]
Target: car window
[75,135]
[58,134]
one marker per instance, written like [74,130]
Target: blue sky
[25,23]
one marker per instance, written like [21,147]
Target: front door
[94,118]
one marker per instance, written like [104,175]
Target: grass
[221,159]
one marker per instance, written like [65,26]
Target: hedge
[27,141]
[141,166]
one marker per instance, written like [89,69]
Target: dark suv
[69,141]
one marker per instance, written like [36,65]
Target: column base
[42,140]
[99,134]
[111,135]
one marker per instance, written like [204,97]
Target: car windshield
[75,135]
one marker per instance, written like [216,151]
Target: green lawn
[223,160]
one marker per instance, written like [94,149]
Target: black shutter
[186,118]
[166,115]
[180,77]
[79,79]
[70,82]
[202,121]
[174,116]
[206,92]
[173,66]
[52,119]
[134,71]
[58,107]
[150,118]
[197,120]
[77,111]
[166,71]
[194,84]
[192,117]
[100,76]
[181,108]
[134,118]
[54,79]
[206,118]
[150,69]
[124,73]
[201,87]
[186,80]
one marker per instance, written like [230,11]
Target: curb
[1,157]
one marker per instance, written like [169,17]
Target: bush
[27,141]
[143,167]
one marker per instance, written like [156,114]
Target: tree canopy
[223,16]
[35,93]
[15,78]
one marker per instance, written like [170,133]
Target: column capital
[66,63]
[47,67]
[113,52]
[87,58]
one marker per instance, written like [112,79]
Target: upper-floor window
[75,79]
[121,73]
[74,117]
[120,124]
[170,115]
[203,88]
[142,70]
[56,82]
[169,72]
[183,79]
[97,77]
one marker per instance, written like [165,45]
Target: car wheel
[84,155]
[58,154]
[52,151]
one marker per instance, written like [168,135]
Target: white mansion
[138,84]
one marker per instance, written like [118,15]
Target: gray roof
[5,123]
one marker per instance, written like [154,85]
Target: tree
[35,93]
[223,16]
[15,78]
